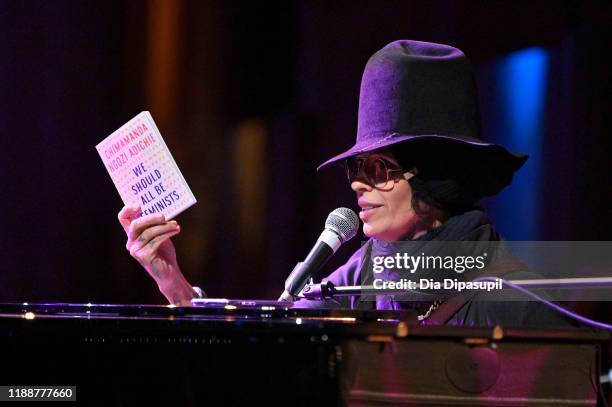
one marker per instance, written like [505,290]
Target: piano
[245,352]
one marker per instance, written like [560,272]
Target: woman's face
[386,211]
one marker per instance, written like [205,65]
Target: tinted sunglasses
[374,171]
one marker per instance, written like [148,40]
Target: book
[143,170]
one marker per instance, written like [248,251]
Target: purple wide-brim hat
[413,90]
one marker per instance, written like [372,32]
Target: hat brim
[493,166]
[517,159]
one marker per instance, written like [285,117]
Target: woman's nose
[360,186]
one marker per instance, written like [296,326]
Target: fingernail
[173,222]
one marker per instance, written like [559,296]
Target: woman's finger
[139,225]
[145,252]
[127,214]
[151,233]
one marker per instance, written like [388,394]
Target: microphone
[341,225]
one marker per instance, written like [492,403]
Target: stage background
[251,97]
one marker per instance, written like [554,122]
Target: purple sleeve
[347,274]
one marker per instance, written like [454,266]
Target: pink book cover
[143,170]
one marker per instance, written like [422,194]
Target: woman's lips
[367,211]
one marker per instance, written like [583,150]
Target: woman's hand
[148,241]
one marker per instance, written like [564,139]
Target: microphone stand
[298,278]
[327,290]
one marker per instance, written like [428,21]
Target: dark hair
[448,196]
[447,175]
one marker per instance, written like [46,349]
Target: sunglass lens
[353,166]
[378,173]
[374,171]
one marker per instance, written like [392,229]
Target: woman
[418,168]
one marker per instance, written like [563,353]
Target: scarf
[472,227]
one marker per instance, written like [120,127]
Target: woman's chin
[370,231]
[377,234]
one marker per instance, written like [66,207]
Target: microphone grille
[344,222]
